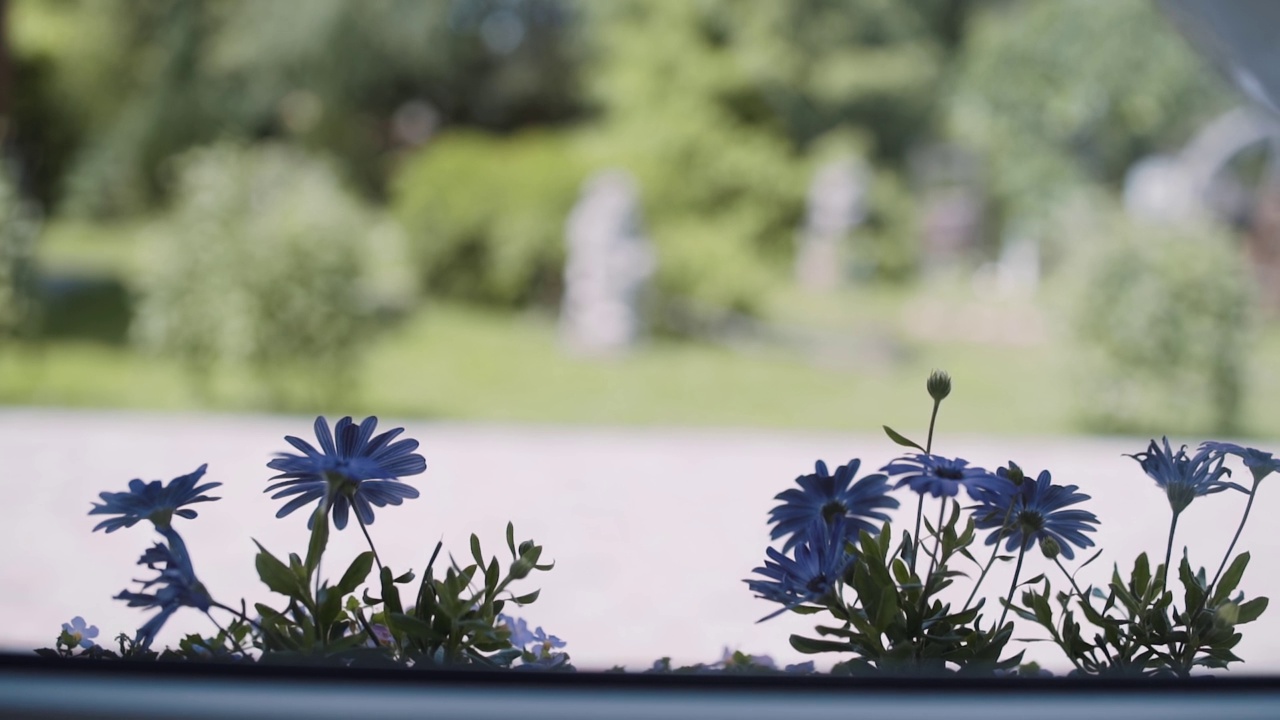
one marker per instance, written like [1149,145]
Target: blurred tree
[1056,94]
[718,105]
[144,80]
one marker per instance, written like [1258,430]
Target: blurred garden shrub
[1058,94]
[19,226]
[265,263]
[485,214]
[1161,320]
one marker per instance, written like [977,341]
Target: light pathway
[652,530]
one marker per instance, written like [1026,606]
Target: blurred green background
[359,206]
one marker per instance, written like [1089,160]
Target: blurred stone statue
[836,206]
[608,266]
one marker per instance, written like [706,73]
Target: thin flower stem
[1013,585]
[933,419]
[395,643]
[1248,506]
[937,545]
[238,614]
[915,550]
[365,530]
[1168,554]
[928,450]
[995,550]
[1070,578]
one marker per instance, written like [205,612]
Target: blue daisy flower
[352,468]
[1260,463]
[818,564]
[1028,512]
[822,498]
[1184,478]
[939,476]
[176,586]
[154,501]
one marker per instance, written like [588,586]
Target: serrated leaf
[356,573]
[901,439]
[277,576]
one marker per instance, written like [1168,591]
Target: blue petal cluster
[154,501]
[819,563]
[536,642]
[1026,513]
[939,476]
[175,586]
[81,632]
[824,498]
[1260,464]
[1183,478]
[352,469]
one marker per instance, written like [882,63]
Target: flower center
[950,473]
[834,509]
[818,584]
[1030,520]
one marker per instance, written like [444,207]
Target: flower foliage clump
[452,615]
[886,596]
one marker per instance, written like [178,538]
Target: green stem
[995,550]
[937,545]
[365,530]
[933,418]
[928,450]
[1071,579]
[1013,585]
[395,643]
[915,548]
[1248,506]
[1168,554]
[237,613]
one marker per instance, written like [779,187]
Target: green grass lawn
[852,361]
[461,363]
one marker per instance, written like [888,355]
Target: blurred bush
[485,214]
[1058,94]
[19,226]
[267,263]
[1161,319]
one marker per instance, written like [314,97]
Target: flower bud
[1014,473]
[1050,547]
[939,385]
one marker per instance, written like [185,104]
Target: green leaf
[901,439]
[1141,576]
[511,539]
[1230,579]
[390,593]
[531,597]
[888,609]
[1251,610]
[475,550]
[356,573]
[416,629]
[278,577]
[810,646]
[319,538]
